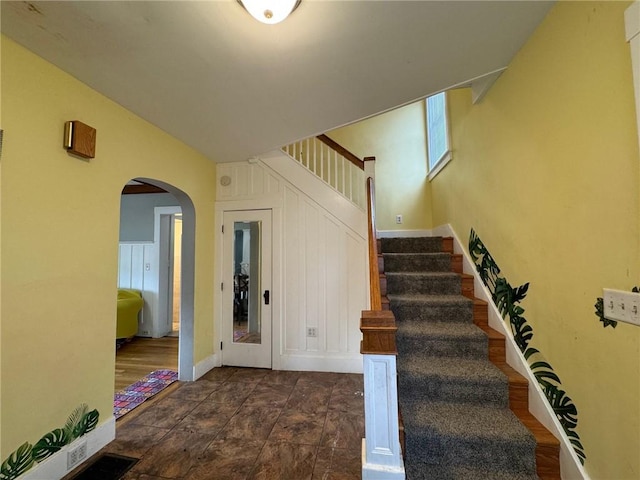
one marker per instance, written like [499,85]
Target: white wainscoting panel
[137,269]
[248,180]
[323,261]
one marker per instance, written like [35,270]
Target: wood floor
[141,356]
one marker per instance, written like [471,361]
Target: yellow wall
[398,141]
[546,170]
[60,221]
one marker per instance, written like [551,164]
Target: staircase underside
[464,409]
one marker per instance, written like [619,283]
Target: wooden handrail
[342,151]
[374,273]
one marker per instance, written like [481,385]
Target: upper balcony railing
[335,165]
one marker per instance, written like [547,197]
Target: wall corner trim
[632,20]
[632,29]
[203,366]
[56,465]
[480,86]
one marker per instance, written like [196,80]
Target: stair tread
[424,274]
[424,471]
[392,254]
[465,421]
[419,244]
[460,369]
[443,331]
[429,299]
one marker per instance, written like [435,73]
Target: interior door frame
[163,239]
[275,206]
[258,355]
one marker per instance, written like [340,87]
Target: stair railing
[381,452]
[334,164]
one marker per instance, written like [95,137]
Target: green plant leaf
[562,406]
[17,462]
[74,419]
[522,333]
[576,443]
[520,292]
[599,306]
[540,364]
[87,423]
[544,375]
[50,444]
[530,351]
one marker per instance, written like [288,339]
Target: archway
[187,267]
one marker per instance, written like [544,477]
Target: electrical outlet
[312,332]
[398,218]
[76,455]
[622,306]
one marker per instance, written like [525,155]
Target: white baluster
[322,161]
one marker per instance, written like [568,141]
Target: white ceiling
[231,87]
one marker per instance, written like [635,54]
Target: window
[438,145]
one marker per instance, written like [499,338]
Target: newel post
[370,167]
[381,453]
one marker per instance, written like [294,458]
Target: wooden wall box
[80,139]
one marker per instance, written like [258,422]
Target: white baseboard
[379,472]
[55,467]
[203,366]
[316,363]
[404,233]
[570,466]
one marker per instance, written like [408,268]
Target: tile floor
[241,423]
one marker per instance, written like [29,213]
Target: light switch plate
[621,306]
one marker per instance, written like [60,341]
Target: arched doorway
[174,203]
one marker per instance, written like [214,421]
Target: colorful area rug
[126,400]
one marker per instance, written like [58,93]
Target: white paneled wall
[137,269]
[320,261]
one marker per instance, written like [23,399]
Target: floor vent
[107,466]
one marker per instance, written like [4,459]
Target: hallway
[240,423]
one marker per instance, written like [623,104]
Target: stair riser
[456,263]
[467,288]
[411,245]
[446,389]
[435,262]
[441,347]
[461,451]
[423,284]
[411,311]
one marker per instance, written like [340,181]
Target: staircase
[465,410]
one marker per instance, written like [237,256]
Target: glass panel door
[246,304]
[246,282]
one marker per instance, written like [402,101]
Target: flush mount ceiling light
[269,11]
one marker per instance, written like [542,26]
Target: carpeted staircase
[454,401]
